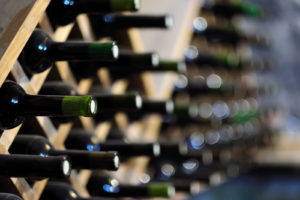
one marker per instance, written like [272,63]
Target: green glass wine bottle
[63,12]
[40,52]
[16,105]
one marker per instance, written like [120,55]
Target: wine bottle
[63,191]
[228,35]
[40,52]
[127,62]
[38,145]
[83,140]
[198,85]
[36,167]
[226,60]
[16,105]
[109,24]
[99,185]
[233,8]
[8,196]
[63,12]
[106,102]
[170,65]
[152,107]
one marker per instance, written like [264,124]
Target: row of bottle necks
[86,152]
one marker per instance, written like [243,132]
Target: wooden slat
[18,19]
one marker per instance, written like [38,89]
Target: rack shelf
[19,19]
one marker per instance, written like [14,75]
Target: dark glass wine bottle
[84,140]
[127,62]
[233,8]
[224,60]
[107,103]
[38,145]
[100,185]
[198,85]
[8,196]
[153,107]
[109,24]
[40,52]
[63,12]
[228,35]
[16,105]
[33,166]
[63,191]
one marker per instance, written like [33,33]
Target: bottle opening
[169,21]
[115,51]
[137,4]
[155,59]
[66,167]
[93,106]
[116,162]
[156,149]
[138,101]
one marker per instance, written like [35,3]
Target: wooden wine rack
[17,22]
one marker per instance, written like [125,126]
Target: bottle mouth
[93,106]
[115,51]
[116,161]
[138,101]
[169,107]
[137,4]
[156,149]
[66,167]
[169,21]
[155,59]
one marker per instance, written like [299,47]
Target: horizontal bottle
[103,186]
[224,60]
[152,107]
[215,85]
[33,166]
[81,139]
[109,24]
[228,35]
[126,62]
[63,191]
[233,8]
[185,186]
[65,12]
[108,104]
[40,52]
[16,105]
[38,145]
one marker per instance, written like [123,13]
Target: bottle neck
[61,51]
[119,103]
[131,149]
[118,22]
[161,107]
[42,105]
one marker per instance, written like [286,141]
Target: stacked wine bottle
[84,126]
